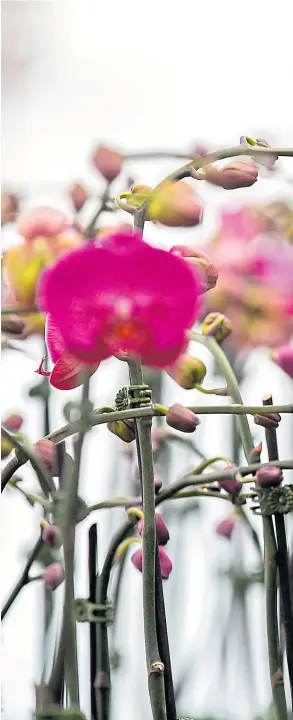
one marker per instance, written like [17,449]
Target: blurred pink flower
[255,285]
[283,356]
[53,575]
[225,527]
[119,297]
[42,221]
[67,370]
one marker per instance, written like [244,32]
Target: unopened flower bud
[161,527]
[174,204]
[180,418]
[165,562]
[268,421]
[157,483]
[262,159]
[140,193]
[268,476]
[13,422]
[51,534]
[200,150]
[78,196]
[231,485]
[255,454]
[230,177]
[108,162]
[217,325]
[9,208]
[53,575]
[45,450]
[283,356]
[199,261]
[187,372]
[42,221]
[12,325]
[124,429]
[225,527]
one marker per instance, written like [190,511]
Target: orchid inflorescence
[107,292]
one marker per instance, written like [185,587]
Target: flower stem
[90,231]
[26,453]
[92,572]
[233,387]
[71,489]
[282,558]
[270,577]
[12,466]
[103,678]
[24,578]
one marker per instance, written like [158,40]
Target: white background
[141,76]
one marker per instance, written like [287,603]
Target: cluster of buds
[162,537]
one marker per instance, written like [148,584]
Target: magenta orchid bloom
[122,296]
[67,372]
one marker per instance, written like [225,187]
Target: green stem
[103,679]
[232,384]
[12,466]
[26,453]
[71,489]
[270,576]
[90,231]
[24,578]
[98,418]
[192,480]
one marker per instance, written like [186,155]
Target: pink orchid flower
[67,372]
[122,296]
[42,221]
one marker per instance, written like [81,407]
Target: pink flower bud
[261,159]
[180,418]
[124,429]
[199,150]
[268,477]
[225,527]
[269,421]
[217,325]
[174,204]
[230,485]
[200,262]
[45,450]
[187,372]
[51,535]
[157,483]
[78,196]
[165,562]
[9,208]
[283,356]
[13,422]
[108,162]
[12,325]
[53,575]
[162,530]
[231,176]
[43,221]
[255,454]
